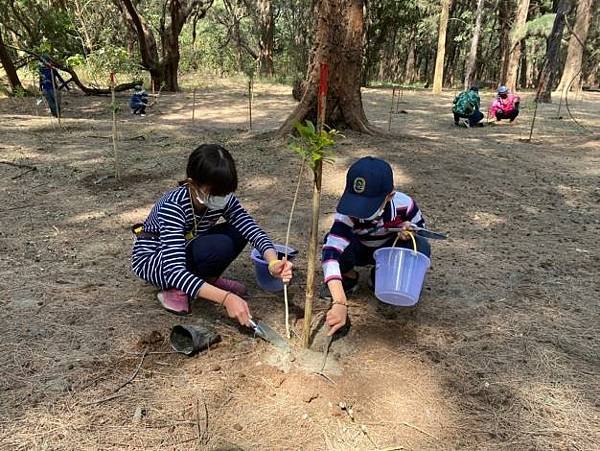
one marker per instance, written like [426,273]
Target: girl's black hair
[213,165]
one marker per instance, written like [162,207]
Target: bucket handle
[412,237]
[414,242]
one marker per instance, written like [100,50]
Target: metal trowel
[265,332]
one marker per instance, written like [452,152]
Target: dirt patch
[501,352]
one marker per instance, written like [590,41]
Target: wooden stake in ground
[114,125]
[250,95]
[56,99]
[316,205]
[194,106]
[391,109]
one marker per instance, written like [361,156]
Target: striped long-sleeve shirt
[370,233]
[161,261]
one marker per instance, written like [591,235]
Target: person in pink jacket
[505,105]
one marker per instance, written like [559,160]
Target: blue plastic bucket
[399,275]
[261,268]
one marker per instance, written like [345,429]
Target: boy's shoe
[174,301]
[465,123]
[234,286]
[350,287]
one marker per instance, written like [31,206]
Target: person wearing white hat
[505,105]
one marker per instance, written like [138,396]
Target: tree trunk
[524,65]
[472,58]
[265,44]
[146,41]
[339,43]
[530,72]
[438,76]
[504,17]
[409,71]
[516,35]
[572,72]
[9,68]
[163,72]
[548,74]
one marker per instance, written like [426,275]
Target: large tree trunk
[524,65]
[438,76]
[472,58]
[572,72]
[504,16]
[409,71]
[517,33]
[339,43]
[146,41]
[9,68]
[163,71]
[265,44]
[530,73]
[548,74]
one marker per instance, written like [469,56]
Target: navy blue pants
[138,108]
[474,118]
[52,102]
[357,254]
[510,115]
[209,255]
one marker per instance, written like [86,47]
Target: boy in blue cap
[139,100]
[369,207]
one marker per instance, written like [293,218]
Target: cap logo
[359,185]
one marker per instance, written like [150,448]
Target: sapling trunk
[287,242]
[312,253]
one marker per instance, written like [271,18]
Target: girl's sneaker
[230,285]
[174,301]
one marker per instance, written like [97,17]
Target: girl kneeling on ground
[181,249]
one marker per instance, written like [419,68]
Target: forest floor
[502,351]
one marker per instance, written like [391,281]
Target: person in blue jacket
[139,101]
[50,84]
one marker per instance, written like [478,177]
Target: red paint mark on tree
[323,87]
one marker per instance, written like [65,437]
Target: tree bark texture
[472,58]
[572,72]
[9,68]
[265,43]
[517,33]
[438,76]
[551,62]
[338,41]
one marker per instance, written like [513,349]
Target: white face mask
[213,202]
[375,215]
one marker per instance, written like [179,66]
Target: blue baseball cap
[502,90]
[368,182]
